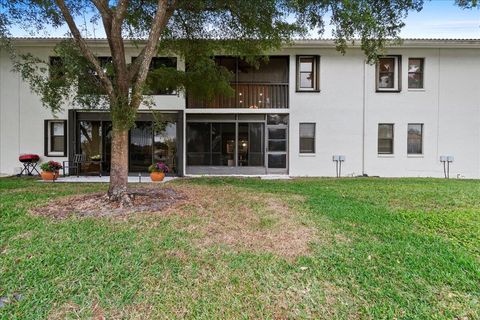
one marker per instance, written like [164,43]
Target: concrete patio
[146,178]
[106,179]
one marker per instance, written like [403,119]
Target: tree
[194,30]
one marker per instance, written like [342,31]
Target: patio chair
[78,160]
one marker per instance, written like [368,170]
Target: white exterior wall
[346,107]
[336,110]
[448,106]
[21,119]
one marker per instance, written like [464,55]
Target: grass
[378,249]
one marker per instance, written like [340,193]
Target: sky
[438,19]
[442,19]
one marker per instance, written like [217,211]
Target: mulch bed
[98,204]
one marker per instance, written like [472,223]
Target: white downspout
[364,105]
[1,54]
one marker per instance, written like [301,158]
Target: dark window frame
[90,75]
[151,67]
[421,138]
[422,73]
[48,138]
[314,138]
[55,62]
[397,77]
[392,125]
[315,71]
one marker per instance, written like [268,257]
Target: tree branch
[102,6]
[135,66]
[117,46]
[112,22]
[163,14]
[121,10]
[87,53]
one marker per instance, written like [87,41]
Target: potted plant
[158,171]
[96,158]
[50,170]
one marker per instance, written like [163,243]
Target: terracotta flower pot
[50,176]
[157,176]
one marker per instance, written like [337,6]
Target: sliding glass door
[149,141]
[165,145]
[141,147]
[95,144]
[251,145]
[150,144]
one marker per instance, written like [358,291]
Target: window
[388,74]
[88,80]
[56,69]
[415,138]
[155,83]
[307,73]
[415,73]
[55,138]
[307,137]
[385,138]
[277,119]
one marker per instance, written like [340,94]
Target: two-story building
[292,115]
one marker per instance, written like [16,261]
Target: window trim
[314,139]
[48,136]
[393,140]
[422,126]
[423,74]
[51,61]
[396,77]
[173,92]
[315,70]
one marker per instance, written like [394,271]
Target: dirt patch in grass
[213,215]
[64,311]
[145,199]
[247,221]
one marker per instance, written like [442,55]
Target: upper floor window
[154,84]
[88,80]
[415,138]
[415,73]
[55,138]
[308,73]
[56,68]
[385,138]
[388,74]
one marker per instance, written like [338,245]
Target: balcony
[264,86]
[248,95]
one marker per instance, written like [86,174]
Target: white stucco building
[291,116]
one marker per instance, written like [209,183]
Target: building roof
[297,43]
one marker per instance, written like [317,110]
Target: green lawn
[377,249]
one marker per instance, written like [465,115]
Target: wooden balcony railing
[247,95]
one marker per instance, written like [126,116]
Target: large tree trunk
[119,167]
